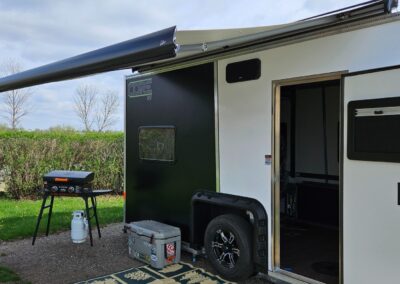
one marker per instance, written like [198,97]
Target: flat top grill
[60,176]
[70,184]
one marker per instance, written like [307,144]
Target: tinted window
[374,130]
[157,143]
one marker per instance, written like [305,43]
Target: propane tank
[79,227]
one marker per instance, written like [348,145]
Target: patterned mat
[176,273]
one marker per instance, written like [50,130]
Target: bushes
[26,156]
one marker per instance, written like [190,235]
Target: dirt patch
[55,259]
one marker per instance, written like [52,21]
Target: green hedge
[26,155]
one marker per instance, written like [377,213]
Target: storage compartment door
[371,176]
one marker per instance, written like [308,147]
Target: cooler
[154,243]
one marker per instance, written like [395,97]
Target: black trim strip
[341,158]
[373,70]
[398,194]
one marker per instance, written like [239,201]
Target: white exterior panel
[245,108]
[371,216]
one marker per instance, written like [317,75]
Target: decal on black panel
[141,88]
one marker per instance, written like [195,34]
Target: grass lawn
[6,275]
[18,218]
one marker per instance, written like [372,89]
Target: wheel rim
[225,248]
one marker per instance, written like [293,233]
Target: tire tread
[243,229]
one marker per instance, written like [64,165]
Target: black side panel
[183,99]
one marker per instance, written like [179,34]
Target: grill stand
[85,197]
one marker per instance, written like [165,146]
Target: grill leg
[88,219]
[50,212]
[39,218]
[94,206]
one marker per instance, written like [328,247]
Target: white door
[371,177]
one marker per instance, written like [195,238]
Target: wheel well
[208,205]
[205,213]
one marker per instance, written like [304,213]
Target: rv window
[374,130]
[157,143]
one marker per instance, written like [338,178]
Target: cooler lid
[157,230]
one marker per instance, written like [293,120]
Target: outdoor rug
[176,273]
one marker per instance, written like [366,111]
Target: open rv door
[371,176]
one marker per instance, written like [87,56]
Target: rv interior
[309,183]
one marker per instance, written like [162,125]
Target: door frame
[275,228]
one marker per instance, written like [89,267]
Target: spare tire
[228,245]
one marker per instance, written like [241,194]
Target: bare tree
[106,110]
[85,104]
[91,110]
[15,102]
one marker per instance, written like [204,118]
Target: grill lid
[60,176]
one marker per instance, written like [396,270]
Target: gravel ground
[55,259]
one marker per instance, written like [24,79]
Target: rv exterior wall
[245,113]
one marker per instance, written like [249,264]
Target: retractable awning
[149,48]
[168,46]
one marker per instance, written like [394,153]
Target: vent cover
[243,71]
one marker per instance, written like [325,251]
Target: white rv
[276,149]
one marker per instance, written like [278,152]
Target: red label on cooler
[170,252]
[170,249]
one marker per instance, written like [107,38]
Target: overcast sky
[38,32]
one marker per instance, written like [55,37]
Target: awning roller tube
[148,48]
